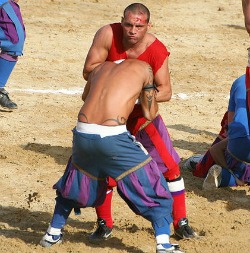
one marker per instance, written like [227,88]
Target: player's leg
[104,217]
[146,193]
[156,139]
[6,67]
[75,190]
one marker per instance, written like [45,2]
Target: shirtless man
[103,147]
[130,39]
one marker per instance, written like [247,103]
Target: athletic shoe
[191,162]
[5,100]
[49,240]
[101,233]
[184,231]
[213,178]
[174,249]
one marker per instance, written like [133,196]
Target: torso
[113,92]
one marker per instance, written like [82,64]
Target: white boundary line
[183,96]
[49,91]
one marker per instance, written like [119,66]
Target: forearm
[88,69]
[148,102]
[163,83]
[163,95]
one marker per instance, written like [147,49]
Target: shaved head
[137,8]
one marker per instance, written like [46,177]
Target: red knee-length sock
[179,208]
[105,210]
[177,190]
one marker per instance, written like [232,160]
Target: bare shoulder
[150,38]
[106,30]
[142,68]
[138,64]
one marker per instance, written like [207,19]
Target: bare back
[112,90]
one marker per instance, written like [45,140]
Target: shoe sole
[191,236]
[100,239]
[47,244]
[9,108]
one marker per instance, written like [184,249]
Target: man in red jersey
[130,40]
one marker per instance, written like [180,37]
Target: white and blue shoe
[191,162]
[174,248]
[49,240]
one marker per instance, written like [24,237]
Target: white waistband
[103,131]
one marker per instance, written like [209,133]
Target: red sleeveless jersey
[154,55]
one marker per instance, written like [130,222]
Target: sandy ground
[208,43]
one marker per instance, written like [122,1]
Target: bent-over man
[103,147]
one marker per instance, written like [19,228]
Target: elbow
[168,96]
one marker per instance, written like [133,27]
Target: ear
[122,19]
[150,25]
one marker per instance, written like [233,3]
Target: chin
[132,42]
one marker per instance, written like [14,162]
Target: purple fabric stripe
[7,57]
[178,193]
[84,190]
[143,137]
[147,201]
[151,170]
[246,175]
[7,24]
[162,129]
[70,180]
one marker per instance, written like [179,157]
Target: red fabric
[104,211]
[135,120]
[179,208]
[116,51]
[111,183]
[224,125]
[174,171]
[154,55]
[202,168]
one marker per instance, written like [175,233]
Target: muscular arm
[148,97]
[246,12]
[162,81]
[148,102]
[99,49]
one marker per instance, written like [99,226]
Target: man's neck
[135,50]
